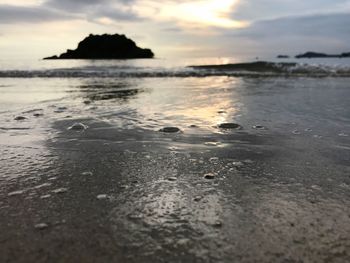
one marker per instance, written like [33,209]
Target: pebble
[102,197]
[259,127]
[296,132]
[237,164]
[217,224]
[209,176]
[170,130]
[78,127]
[221,112]
[230,126]
[38,115]
[41,226]
[213,159]
[87,173]
[183,242]
[212,144]
[60,190]
[316,187]
[15,193]
[60,109]
[197,198]
[20,118]
[172,178]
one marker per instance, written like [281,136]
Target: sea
[155,93]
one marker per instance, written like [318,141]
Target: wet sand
[279,189]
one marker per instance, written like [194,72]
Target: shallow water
[195,105]
[165,68]
[119,190]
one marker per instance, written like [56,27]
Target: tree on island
[106,47]
[311,54]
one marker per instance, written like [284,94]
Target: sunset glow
[211,13]
[194,13]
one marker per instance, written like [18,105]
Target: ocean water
[86,173]
[151,94]
[163,67]
[291,96]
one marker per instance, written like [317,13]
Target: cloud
[190,13]
[323,32]
[56,10]
[254,10]
[76,5]
[18,14]
[97,10]
[327,25]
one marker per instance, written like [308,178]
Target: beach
[88,173]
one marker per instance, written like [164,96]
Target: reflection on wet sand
[116,92]
[192,102]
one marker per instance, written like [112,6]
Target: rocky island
[106,47]
[322,55]
[282,56]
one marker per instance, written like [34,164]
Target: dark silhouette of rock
[322,55]
[282,56]
[170,130]
[20,118]
[230,126]
[209,176]
[259,66]
[106,47]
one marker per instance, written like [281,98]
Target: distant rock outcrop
[282,56]
[106,47]
[259,66]
[322,55]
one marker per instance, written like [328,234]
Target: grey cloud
[116,15]
[95,9]
[324,33]
[55,10]
[331,25]
[76,5]
[254,10]
[16,14]
[172,29]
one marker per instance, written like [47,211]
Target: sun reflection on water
[204,102]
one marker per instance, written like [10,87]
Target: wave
[253,69]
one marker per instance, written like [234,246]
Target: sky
[182,28]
